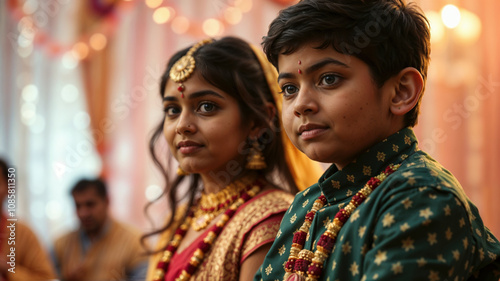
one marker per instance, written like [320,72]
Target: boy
[352,75]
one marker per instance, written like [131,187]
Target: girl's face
[204,129]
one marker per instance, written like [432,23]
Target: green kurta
[417,225]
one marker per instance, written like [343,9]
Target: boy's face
[332,109]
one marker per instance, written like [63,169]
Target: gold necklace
[213,204]
[189,269]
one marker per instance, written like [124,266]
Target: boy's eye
[207,107]
[289,90]
[329,79]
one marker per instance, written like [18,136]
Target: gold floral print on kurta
[417,222]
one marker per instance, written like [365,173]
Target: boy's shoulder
[421,170]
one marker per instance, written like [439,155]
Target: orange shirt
[26,258]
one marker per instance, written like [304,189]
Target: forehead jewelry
[184,67]
[300,71]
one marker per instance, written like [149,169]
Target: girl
[222,126]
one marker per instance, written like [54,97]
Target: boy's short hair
[388,35]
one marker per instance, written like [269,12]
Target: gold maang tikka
[184,67]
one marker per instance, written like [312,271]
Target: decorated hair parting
[184,67]
[180,72]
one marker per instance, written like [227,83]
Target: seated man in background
[102,248]
[22,257]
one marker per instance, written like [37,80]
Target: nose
[185,124]
[305,102]
[83,212]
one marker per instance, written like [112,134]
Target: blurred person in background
[102,248]
[22,256]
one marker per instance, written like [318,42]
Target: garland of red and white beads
[308,265]
[205,245]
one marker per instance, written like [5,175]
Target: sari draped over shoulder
[255,223]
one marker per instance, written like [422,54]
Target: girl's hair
[230,65]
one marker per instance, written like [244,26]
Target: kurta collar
[85,240]
[338,185]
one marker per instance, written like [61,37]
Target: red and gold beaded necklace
[206,244]
[303,264]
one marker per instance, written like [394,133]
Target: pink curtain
[460,122]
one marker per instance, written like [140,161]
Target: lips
[310,131]
[187,146]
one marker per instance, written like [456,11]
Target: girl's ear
[255,128]
[409,86]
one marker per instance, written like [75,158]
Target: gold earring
[181,172]
[255,160]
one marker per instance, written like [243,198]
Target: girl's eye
[329,79]
[206,107]
[172,111]
[288,90]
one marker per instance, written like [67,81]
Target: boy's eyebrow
[314,67]
[324,62]
[195,95]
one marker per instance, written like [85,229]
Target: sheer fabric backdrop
[62,119]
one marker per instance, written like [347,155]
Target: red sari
[255,223]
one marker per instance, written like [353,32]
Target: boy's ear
[408,88]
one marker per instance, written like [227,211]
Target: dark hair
[4,169]
[388,35]
[97,184]
[230,65]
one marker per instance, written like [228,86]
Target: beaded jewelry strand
[206,244]
[213,204]
[303,264]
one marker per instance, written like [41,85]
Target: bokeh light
[28,113]
[69,61]
[25,52]
[212,27]
[244,5]
[469,28]
[80,50]
[161,15]
[233,15]
[69,93]
[30,93]
[153,192]
[53,210]
[98,41]
[153,3]
[450,15]
[30,6]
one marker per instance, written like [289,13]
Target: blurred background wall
[79,95]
